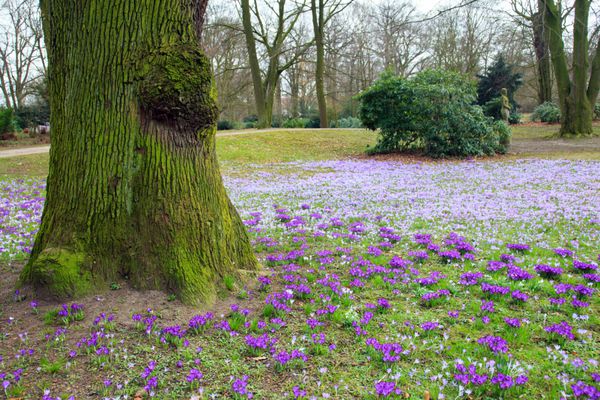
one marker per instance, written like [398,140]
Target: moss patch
[176,89]
[60,272]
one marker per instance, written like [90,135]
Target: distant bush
[313,122]
[295,123]
[7,120]
[225,125]
[349,122]
[546,112]
[277,121]
[597,111]
[250,118]
[432,113]
[250,124]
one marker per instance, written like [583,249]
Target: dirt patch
[22,329]
[555,145]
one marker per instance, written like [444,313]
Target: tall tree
[531,14]
[134,189]
[463,38]
[577,94]
[21,52]
[400,43]
[322,12]
[256,29]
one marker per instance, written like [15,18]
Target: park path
[25,151]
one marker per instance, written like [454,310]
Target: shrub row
[431,113]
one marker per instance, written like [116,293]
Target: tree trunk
[255,70]
[575,104]
[134,189]
[542,55]
[318,26]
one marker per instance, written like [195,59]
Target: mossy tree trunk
[134,189]
[542,54]
[578,94]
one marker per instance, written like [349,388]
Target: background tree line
[298,63]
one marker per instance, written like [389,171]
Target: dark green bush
[349,122]
[225,125]
[313,122]
[32,115]
[597,111]
[277,121]
[432,113]
[250,118]
[7,120]
[295,123]
[546,112]
[500,75]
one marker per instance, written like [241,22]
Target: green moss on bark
[176,89]
[61,272]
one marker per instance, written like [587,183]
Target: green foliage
[250,118]
[277,121]
[229,282]
[432,113]
[36,112]
[52,367]
[350,122]
[295,123]
[250,121]
[6,120]
[546,112]
[225,125]
[597,112]
[497,76]
[313,122]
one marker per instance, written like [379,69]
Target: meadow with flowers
[381,280]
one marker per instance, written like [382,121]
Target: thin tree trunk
[134,189]
[255,71]
[542,55]
[318,18]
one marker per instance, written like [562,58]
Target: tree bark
[318,18]
[575,105]
[542,55]
[255,71]
[134,189]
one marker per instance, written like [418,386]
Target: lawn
[464,279]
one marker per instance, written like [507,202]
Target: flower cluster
[562,329]
[495,343]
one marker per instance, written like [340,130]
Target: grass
[252,148]
[32,165]
[310,145]
[284,146]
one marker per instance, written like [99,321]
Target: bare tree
[322,12]
[399,43]
[226,49]
[463,39]
[22,58]
[269,27]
